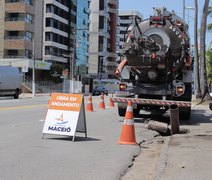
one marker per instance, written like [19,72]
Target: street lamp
[188,8]
[184,10]
[33,68]
[100,67]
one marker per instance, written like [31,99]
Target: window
[28,18]
[28,53]
[28,36]
[12,52]
[48,37]
[28,2]
[48,8]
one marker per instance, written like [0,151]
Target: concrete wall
[38,31]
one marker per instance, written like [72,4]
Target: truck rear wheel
[122,111]
[16,94]
[185,113]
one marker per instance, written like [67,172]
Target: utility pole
[33,68]
[72,71]
[184,10]
[100,67]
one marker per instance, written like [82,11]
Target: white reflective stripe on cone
[129,122]
[129,109]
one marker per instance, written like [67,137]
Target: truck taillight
[180,90]
[122,87]
[153,55]
[156,20]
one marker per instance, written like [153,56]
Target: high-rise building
[44,32]
[17,34]
[82,35]
[58,24]
[66,33]
[103,34]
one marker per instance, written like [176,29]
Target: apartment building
[44,32]
[57,30]
[17,32]
[103,34]
[65,35]
[125,23]
[82,37]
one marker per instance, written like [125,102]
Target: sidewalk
[29,95]
[181,156]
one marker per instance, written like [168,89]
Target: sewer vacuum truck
[156,66]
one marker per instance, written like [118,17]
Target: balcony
[19,6]
[18,24]
[17,42]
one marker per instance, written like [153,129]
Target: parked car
[98,90]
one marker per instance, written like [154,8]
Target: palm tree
[204,84]
[209,67]
[197,83]
[209,26]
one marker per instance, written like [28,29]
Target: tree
[209,67]
[54,74]
[204,84]
[209,53]
[197,83]
[209,26]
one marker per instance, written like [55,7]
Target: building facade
[57,30]
[66,33]
[103,37]
[45,31]
[17,34]
[82,37]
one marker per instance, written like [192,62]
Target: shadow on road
[198,116]
[69,138]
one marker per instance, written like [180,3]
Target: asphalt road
[25,155]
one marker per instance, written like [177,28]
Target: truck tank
[158,47]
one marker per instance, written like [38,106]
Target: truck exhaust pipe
[174,119]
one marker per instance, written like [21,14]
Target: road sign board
[65,115]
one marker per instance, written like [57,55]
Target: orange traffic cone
[89,106]
[111,102]
[128,130]
[102,103]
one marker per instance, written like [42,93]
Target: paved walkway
[181,156]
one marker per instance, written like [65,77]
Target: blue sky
[145,8]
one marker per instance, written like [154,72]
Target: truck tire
[16,94]
[122,111]
[185,113]
[136,112]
